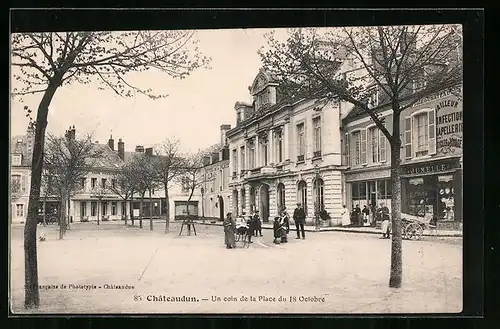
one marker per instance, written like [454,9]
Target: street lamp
[316,203]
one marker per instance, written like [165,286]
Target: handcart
[414,226]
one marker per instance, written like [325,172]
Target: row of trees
[69,159]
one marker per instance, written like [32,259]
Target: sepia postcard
[237,171]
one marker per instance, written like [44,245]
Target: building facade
[216,193]
[431,154]
[284,152]
[95,197]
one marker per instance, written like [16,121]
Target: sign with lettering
[429,168]
[449,126]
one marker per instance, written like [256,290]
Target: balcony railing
[300,158]
[317,154]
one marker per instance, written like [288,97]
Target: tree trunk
[131,208]
[167,219]
[125,212]
[140,210]
[396,246]
[150,212]
[98,212]
[69,215]
[31,292]
[62,215]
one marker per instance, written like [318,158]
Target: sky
[193,112]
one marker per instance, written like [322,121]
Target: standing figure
[285,223]
[366,214]
[229,231]
[346,217]
[373,217]
[359,216]
[258,223]
[299,217]
[251,228]
[277,228]
[384,215]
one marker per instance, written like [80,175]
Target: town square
[299,170]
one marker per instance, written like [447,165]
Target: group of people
[369,215]
[252,226]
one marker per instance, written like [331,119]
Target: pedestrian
[366,214]
[373,217]
[359,216]
[229,231]
[384,215]
[346,217]
[258,223]
[285,223]
[299,217]
[277,226]
[251,227]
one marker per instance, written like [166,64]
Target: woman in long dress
[229,229]
[346,217]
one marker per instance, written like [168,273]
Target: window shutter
[382,146]
[363,146]
[408,137]
[431,119]
[347,150]
[23,184]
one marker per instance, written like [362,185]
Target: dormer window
[262,98]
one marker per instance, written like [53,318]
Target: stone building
[284,152]
[216,193]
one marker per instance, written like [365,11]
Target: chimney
[121,149]
[111,143]
[223,131]
[139,148]
[72,133]
[149,151]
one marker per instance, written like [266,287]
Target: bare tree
[44,62]
[403,63]
[143,179]
[67,160]
[190,180]
[124,186]
[168,165]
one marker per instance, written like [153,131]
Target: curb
[333,229]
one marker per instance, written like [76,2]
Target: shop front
[368,188]
[433,190]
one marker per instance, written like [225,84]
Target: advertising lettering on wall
[449,126]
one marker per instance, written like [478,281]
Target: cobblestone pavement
[328,272]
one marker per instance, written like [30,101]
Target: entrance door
[264,203]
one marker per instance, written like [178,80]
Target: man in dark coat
[258,223]
[299,217]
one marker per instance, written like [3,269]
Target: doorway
[221,208]
[264,203]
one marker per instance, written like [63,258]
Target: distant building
[91,200]
[216,192]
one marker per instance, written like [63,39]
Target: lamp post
[316,203]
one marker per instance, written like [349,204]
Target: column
[286,144]
[270,147]
[257,152]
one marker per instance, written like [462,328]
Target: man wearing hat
[299,217]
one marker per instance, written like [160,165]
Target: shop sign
[368,175]
[428,168]
[449,126]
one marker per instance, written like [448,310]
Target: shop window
[446,198]
[421,195]
[358,194]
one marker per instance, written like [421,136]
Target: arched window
[302,194]
[281,196]
[319,199]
